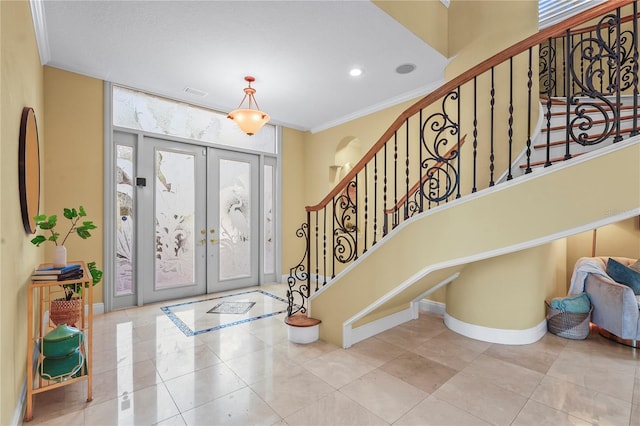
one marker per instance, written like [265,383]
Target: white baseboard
[437,308]
[98,308]
[351,336]
[496,335]
[21,406]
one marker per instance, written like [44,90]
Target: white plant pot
[59,256]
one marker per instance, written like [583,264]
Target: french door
[196,227]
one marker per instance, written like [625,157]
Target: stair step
[590,110]
[556,101]
[544,129]
[553,160]
[556,143]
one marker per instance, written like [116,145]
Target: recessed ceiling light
[405,68]
[355,72]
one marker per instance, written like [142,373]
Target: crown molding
[423,91]
[40,28]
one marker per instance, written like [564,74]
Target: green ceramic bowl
[62,368]
[61,341]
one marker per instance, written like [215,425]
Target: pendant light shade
[249,119]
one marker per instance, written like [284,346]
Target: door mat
[194,317]
[236,308]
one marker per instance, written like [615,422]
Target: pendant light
[249,120]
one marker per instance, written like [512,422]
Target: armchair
[616,309]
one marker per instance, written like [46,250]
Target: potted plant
[67,309]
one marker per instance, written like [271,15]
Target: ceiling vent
[195,92]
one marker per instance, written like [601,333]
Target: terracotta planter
[65,311]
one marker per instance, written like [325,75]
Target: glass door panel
[234,213]
[174,237]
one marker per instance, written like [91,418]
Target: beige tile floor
[420,373]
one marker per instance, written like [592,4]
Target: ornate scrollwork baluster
[345,224]
[442,176]
[298,278]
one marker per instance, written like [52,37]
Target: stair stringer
[593,190]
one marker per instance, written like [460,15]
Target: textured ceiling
[299,51]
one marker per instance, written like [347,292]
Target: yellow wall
[479,29]
[508,291]
[293,183]
[426,19]
[73,157]
[21,85]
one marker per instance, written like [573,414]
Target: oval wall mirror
[29,169]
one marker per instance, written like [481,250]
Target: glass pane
[175,208]
[124,220]
[235,224]
[269,250]
[141,111]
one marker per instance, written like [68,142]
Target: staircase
[430,187]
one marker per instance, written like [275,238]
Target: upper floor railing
[461,137]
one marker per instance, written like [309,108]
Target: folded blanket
[580,304]
[584,266]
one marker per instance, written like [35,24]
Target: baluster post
[510,121]
[618,65]
[634,131]
[375,199]
[529,86]
[324,245]
[475,134]
[567,85]
[493,103]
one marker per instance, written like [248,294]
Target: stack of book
[70,272]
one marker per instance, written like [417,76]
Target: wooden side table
[42,293]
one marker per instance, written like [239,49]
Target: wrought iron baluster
[355,213]
[529,86]
[375,199]
[458,150]
[510,121]
[366,207]
[385,228]
[565,68]
[555,65]
[299,276]
[333,237]
[567,78]
[618,64]
[406,169]
[420,143]
[309,256]
[395,180]
[475,134]
[549,88]
[317,252]
[634,131]
[493,103]
[324,245]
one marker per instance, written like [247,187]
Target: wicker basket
[568,324]
[66,311]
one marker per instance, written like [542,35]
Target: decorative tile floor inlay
[194,317]
[237,308]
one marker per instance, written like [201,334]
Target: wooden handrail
[484,66]
[427,175]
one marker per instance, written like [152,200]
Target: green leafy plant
[48,225]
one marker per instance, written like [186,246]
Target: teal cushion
[635,266]
[624,275]
[579,304]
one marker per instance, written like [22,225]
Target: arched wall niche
[348,153]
